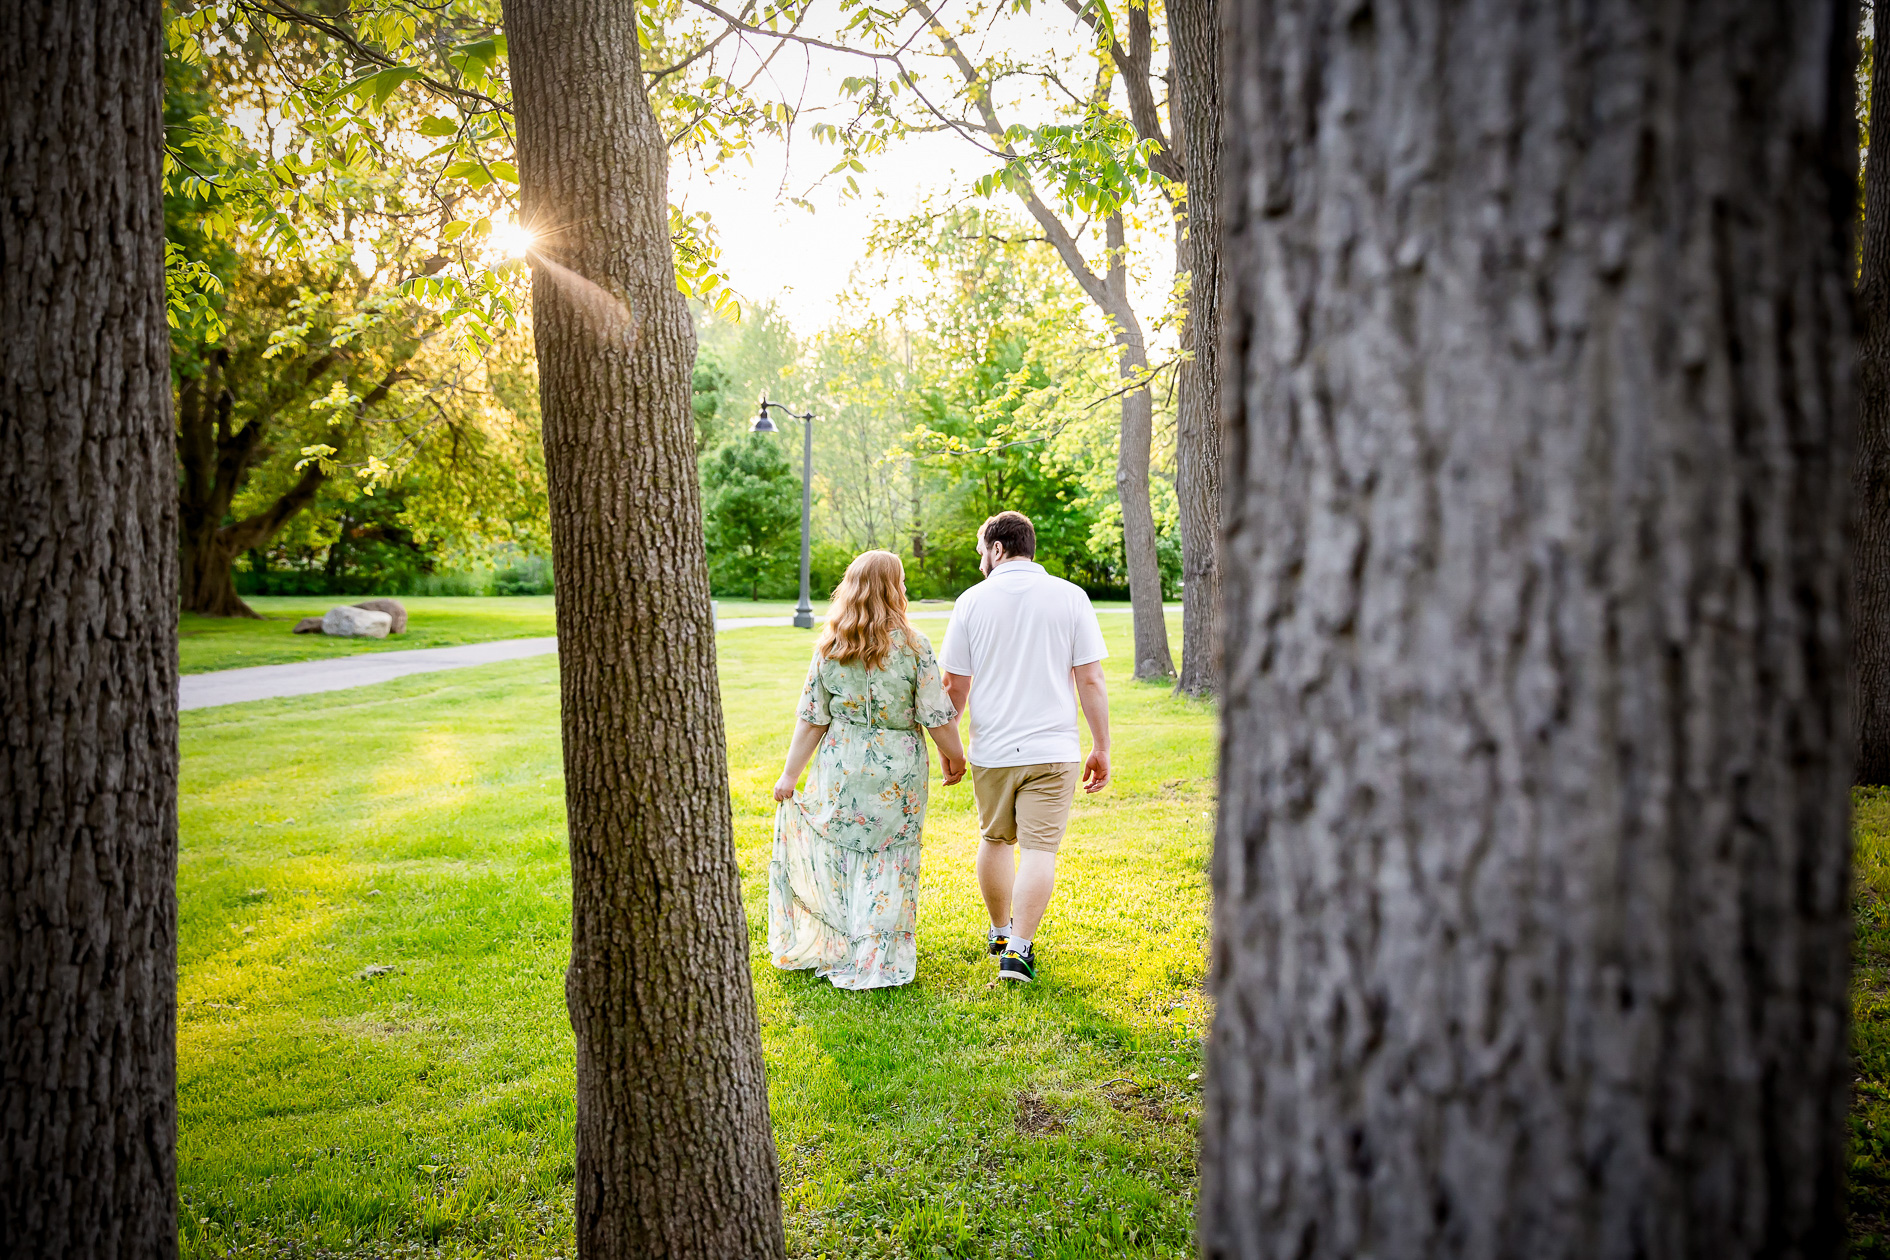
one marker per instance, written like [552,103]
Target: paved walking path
[304,678]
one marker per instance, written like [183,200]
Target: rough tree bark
[1870,628]
[675,1157]
[1530,914]
[1195,102]
[88,590]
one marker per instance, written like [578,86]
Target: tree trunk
[1870,629]
[1132,457]
[1531,934]
[1194,67]
[213,461]
[209,583]
[88,640]
[675,1157]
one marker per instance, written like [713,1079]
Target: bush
[450,584]
[526,575]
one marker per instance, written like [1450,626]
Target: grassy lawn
[374,1057]
[1870,1032]
[207,643]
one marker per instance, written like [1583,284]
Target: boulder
[356,623]
[392,608]
[308,625]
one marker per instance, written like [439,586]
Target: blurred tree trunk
[1870,631]
[1194,56]
[1531,935]
[88,635]
[675,1157]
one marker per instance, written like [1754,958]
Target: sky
[776,251]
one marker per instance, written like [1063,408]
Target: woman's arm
[950,751]
[807,737]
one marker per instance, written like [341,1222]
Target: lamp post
[804,612]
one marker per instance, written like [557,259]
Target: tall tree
[1870,630]
[1195,105]
[88,589]
[1106,285]
[1531,931]
[675,1157]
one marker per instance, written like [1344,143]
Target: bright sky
[776,250]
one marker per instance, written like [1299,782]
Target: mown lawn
[374,1057]
[208,643]
[1870,1031]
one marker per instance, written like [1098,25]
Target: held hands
[1096,772]
[784,789]
[954,768]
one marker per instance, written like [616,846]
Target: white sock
[1019,943]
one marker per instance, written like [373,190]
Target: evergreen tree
[751,514]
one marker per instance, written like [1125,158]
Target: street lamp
[804,613]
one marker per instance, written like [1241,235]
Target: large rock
[308,625]
[356,623]
[392,608]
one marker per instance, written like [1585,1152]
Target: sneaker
[1016,966]
[995,941]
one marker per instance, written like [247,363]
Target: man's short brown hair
[1013,532]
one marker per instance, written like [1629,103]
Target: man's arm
[957,690]
[1094,695]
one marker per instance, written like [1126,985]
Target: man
[1022,647]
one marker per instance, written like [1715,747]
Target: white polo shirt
[1017,635]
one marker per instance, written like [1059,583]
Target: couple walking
[843,884]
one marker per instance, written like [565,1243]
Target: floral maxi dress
[843,885]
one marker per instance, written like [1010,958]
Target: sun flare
[510,240]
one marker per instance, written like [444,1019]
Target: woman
[843,886]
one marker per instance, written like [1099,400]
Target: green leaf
[438,126]
[472,172]
[388,81]
[505,171]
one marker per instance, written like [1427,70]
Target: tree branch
[334,30]
[1134,66]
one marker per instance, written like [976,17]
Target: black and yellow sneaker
[1016,966]
[995,940]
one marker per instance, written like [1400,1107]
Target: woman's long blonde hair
[868,605]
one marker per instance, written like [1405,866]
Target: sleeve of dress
[815,698]
[930,705]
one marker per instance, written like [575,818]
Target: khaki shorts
[1028,806]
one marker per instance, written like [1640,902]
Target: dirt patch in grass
[1148,1104]
[1037,1117]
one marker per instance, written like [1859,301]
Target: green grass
[208,643]
[1870,1028]
[329,1107]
